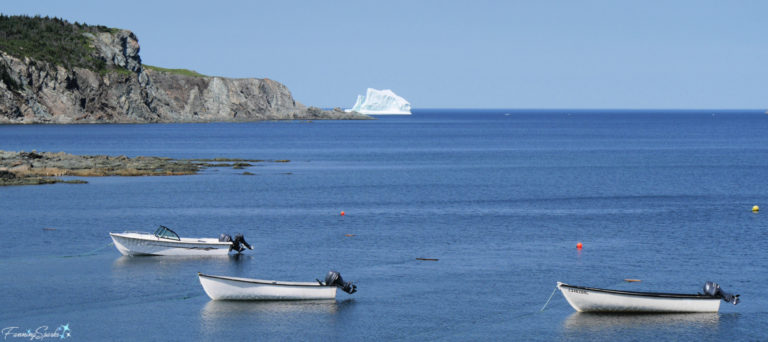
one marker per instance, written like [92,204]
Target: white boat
[165,241]
[588,299]
[232,288]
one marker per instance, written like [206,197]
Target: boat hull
[584,299]
[147,244]
[231,288]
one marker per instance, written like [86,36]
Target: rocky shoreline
[33,168]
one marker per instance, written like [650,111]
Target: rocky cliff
[124,91]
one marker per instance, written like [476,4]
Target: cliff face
[190,98]
[32,91]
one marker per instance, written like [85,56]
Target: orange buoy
[578,245]
[342,213]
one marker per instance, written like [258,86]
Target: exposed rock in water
[33,91]
[26,168]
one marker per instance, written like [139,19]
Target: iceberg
[380,102]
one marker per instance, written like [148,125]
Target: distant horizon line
[592,109]
[765,110]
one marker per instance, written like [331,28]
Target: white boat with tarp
[233,288]
[164,241]
[589,299]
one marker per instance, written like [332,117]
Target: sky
[607,54]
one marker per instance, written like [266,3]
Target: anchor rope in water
[89,253]
[93,252]
[550,298]
[542,308]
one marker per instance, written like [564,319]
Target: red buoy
[578,245]
[342,213]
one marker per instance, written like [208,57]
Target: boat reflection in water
[174,274]
[579,322]
[129,262]
[215,309]
[218,317]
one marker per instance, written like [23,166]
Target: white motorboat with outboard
[232,288]
[588,299]
[165,241]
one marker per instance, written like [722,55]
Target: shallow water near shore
[500,197]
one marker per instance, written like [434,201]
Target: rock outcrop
[28,168]
[33,91]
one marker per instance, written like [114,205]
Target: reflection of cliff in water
[604,322]
[217,317]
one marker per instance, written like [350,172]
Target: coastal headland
[56,72]
[32,168]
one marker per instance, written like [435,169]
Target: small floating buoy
[342,213]
[579,245]
[755,209]
[349,235]
[632,280]
[427,259]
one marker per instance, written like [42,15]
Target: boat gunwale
[642,294]
[157,239]
[262,281]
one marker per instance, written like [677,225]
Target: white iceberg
[380,102]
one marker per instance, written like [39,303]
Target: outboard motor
[333,278]
[239,243]
[714,290]
[225,238]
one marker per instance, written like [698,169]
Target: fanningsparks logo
[42,332]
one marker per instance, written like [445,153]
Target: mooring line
[93,252]
[550,298]
[536,312]
[90,253]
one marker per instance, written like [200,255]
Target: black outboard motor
[714,290]
[238,244]
[333,278]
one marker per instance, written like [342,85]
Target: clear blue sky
[481,54]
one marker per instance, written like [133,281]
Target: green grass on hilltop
[51,40]
[59,42]
[185,72]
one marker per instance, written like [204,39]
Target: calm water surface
[499,197]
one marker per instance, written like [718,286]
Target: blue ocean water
[500,197]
